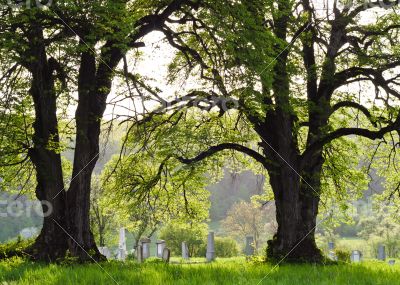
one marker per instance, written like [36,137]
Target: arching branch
[342,132]
[354,105]
[225,146]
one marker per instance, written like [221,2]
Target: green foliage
[193,234]
[154,260]
[343,255]
[381,227]
[104,218]
[224,247]
[15,248]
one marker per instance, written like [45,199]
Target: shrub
[342,254]
[224,247]
[175,233]
[15,248]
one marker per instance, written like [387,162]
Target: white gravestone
[331,253]
[160,248]
[356,256]
[381,252]
[210,255]
[249,249]
[146,247]
[122,244]
[105,251]
[185,250]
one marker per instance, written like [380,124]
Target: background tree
[247,219]
[193,234]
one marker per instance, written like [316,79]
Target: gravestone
[381,252]
[166,254]
[145,243]
[331,253]
[355,256]
[122,245]
[139,254]
[392,262]
[105,251]
[210,255]
[160,247]
[249,249]
[185,250]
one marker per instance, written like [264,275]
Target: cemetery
[191,142]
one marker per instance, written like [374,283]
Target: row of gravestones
[143,249]
[356,255]
[210,254]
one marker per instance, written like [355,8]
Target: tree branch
[225,146]
[354,105]
[372,135]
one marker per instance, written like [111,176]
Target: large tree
[301,75]
[63,48]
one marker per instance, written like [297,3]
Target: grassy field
[223,271]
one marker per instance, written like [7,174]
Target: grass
[223,271]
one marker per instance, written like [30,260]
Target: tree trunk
[81,243]
[51,243]
[296,202]
[296,213]
[94,85]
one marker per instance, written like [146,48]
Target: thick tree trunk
[94,85]
[51,243]
[88,116]
[296,215]
[296,202]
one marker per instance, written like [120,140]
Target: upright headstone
[139,254]
[105,251]
[331,253]
[249,249]
[122,245]
[210,255]
[355,256]
[166,254]
[392,262]
[160,247]
[381,252]
[185,250]
[146,247]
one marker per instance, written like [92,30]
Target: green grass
[223,271]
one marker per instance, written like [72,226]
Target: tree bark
[88,118]
[51,242]
[296,215]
